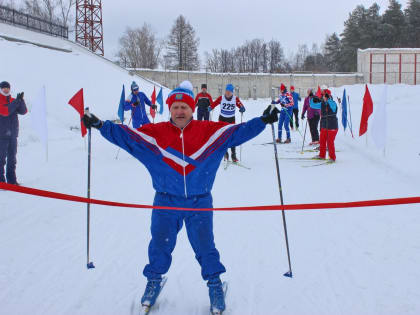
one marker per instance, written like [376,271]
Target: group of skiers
[318,107]
[177,154]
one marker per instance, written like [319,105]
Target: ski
[319,164]
[237,164]
[226,162]
[225,289]
[267,143]
[297,158]
[147,308]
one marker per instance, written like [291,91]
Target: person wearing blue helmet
[228,103]
[136,103]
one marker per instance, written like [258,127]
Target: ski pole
[89,264]
[240,147]
[119,149]
[287,113]
[304,136]
[289,273]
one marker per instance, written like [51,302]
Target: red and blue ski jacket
[182,162]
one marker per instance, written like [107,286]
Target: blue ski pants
[167,223]
[8,151]
[284,120]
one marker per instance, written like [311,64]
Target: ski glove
[92,121]
[316,99]
[136,103]
[302,117]
[20,96]
[270,116]
[154,107]
[209,108]
[242,109]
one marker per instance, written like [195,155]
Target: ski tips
[288,274]
[90,265]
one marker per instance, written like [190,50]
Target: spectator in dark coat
[203,102]
[9,131]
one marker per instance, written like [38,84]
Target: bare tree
[276,56]
[34,8]
[9,3]
[182,46]
[139,48]
[49,7]
[65,8]
[213,61]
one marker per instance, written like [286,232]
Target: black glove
[316,99]
[136,103]
[302,117]
[92,121]
[20,96]
[153,107]
[270,116]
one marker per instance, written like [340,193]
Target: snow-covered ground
[352,261]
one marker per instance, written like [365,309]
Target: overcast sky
[227,24]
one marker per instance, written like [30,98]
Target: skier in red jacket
[203,102]
[10,108]
[182,156]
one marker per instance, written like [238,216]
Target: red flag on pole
[78,104]
[319,92]
[366,112]
[152,111]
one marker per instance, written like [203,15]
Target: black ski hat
[204,86]
[4,85]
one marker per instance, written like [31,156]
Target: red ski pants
[327,138]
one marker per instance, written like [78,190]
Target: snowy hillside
[352,261]
[63,72]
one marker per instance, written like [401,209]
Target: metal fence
[37,24]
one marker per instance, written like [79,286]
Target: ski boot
[151,293]
[234,158]
[288,140]
[217,296]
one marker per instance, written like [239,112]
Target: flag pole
[351,121]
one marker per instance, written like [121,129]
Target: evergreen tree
[361,30]
[332,52]
[392,27]
[182,46]
[412,14]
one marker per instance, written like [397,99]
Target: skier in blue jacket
[135,102]
[296,100]
[182,157]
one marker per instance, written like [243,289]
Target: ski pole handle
[87,112]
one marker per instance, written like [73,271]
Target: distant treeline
[364,28]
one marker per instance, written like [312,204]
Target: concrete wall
[250,85]
[391,66]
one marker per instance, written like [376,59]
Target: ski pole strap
[309,206]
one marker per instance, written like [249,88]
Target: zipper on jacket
[183,153]
[183,167]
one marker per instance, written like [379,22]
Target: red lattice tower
[89,31]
